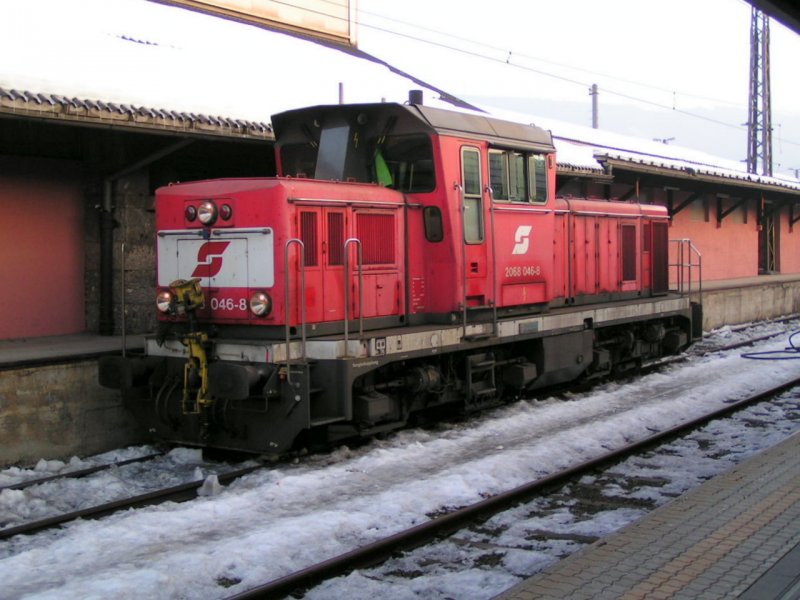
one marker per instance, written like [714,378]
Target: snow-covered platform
[736,536]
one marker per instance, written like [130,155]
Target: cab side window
[405,163]
[518,176]
[473,202]
[537,167]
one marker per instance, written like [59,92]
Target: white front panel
[237,258]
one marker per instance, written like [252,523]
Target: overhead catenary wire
[583,84]
[509,58]
[505,51]
[509,53]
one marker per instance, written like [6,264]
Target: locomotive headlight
[164,301]
[207,212]
[226,212]
[260,304]
[190,213]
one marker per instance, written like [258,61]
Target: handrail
[686,252]
[302,270]
[347,292]
[490,191]
[462,213]
[123,307]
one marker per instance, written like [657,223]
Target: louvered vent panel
[310,237]
[335,239]
[376,232]
[628,253]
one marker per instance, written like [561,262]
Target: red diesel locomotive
[406,259]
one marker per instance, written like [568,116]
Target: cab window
[473,203]
[405,163]
[517,176]
[537,167]
[299,160]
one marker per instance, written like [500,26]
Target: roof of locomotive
[417,118]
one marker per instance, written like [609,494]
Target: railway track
[268,509]
[186,491]
[582,478]
[78,473]
[174,493]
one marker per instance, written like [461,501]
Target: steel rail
[78,473]
[178,493]
[380,550]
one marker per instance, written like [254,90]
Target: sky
[653,62]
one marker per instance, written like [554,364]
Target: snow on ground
[480,562]
[51,498]
[279,520]
[46,468]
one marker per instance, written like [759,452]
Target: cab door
[474,210]
[334,236]
[323,233]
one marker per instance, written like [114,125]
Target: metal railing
[302,294]
[347,243]
[122,299]
[688,263]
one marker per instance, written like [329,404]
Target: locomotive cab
[382,144]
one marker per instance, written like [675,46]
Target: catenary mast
[759,121]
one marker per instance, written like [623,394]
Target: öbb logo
[522,239]
[209,259]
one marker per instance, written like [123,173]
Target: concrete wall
[752,302]
[58,411]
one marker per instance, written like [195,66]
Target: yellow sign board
[332,20]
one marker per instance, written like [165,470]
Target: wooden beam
[674,210]
[721,214]
[792,219]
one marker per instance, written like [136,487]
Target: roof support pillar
[107,226]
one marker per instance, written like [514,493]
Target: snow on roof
[576,156]
[134,55]
[584,148]
[64,109]
[693,168]
[130,52]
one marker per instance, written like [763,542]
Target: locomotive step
[477,337]
[483,391]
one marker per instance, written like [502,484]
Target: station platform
[22,353]
[735,536]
